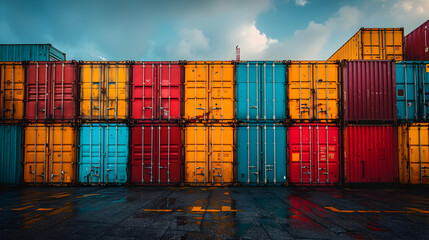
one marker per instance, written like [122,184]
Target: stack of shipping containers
[155,132]
[369,104]
[314,135]
[412,85]
[209,117]
[103,115]
[260,114]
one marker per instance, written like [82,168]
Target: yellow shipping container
[373,44]
[104,90]
[209,154]
[50,154]
[413,143]
[12,75]
[209,91]
[314,90]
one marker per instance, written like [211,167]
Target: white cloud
[191,42]
[301,2]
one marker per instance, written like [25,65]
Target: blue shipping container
[30,52]
[261,154]
[10,153]
[261,91]
[412,91]
[103,154]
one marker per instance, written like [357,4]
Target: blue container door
[407,88]
[116,155]
[424,77]
[248,91]
[261,154]
[10,154]
[91,154]
[274,87]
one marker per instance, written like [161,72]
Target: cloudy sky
[195,30]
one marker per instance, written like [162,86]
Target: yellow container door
[196,154]
[12,91]
[92,102]
[418,137]
[196,94]
[222,91]
[221,154]
[299,90]
[117,87]
[371,40]
[35,153]
[62,154]
[393,44]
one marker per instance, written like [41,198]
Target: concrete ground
[213,213]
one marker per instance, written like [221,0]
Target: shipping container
[10,154]
[156,154]
[209,154]
[51,91]
[371,154]
[416,44]
[314,90]
[156,90]
[261,154]
[30,52]
[104,90]
[369,91]
[50,154]
[314,154]
[103,153]
[412,91]
[261,91]
[209,91]
[413,144]
[373,44]
[12,91]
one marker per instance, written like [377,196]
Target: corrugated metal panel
[369,91]
[50,154]
[52,91]
[414,153]
[156,90]
[314,90]
[373,44]
[261,91]
[104,90]
[103,153]
[10,154]
[370,154]
[156,154]
[12,75]
[416,44]
[314,154]
[209,154]
[412,91]
[261,154]
[30,52]
[209,91]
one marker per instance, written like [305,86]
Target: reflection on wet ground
[213,213]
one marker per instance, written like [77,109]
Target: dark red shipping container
[156,90]
[416,44]
[369,91]
[314,154]
[371,154]
[156,154]
[51,91]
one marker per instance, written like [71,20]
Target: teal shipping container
[103,154]
[10,154]
[30,52]
[261,154]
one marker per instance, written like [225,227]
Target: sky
[201,30]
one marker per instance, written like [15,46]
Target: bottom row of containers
[213,154]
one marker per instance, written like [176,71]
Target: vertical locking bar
[316,82]
[102,75]
[274,97]
[205,156]
[100,161]
[143,150]
[90,151]
[61,149]
[169,98]
[274,152]
[212,168]
[151,149]
[116,155]
[195,146]
[211,105]
[221,153]
[153,93]
[53,90]
[379,44]
[116,92]
[45,134]
[205,91]
[37,92]
[168,155]
[248,152]
[35,153]
[300,112]
[317,153]
[46,90]
[385,44]
[424,93]
[327,153]
[300,151]
[393,44]
[406,90]
[143,103]
[258,151]
[195,110]
[51,155]
[107,153]
[159,153]
[221,99]
[62,93]
[420,155]
[247,94]
[160,95]
[415,92]
[311,152]
[310,102]
[326,91]
[90,91]
[257,91]
[265,153]
[107,82]
[265,91]
[370,40]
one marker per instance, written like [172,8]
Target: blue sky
[201,30]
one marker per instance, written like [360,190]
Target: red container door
[64,90]
[156,154]
[314,153]
[156,92]
[416,44]
[38,88]
[371,154]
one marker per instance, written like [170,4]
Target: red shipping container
[416,44]
[156,154]
[314,154]
[371,154]
[156,91]
[51,91]
[369,91]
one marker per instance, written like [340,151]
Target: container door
[418,141]
[63,91]
[326,99]
[92,100]
[272,90]
[249,154]
[39,84]
[299,91]
[220,156]
[300,145]
[169,82]
[62,158]
[273,154]
[424,92]
[116,155]
[221,91]
[142,156]
[196,155]
[11,91]
[116,89]
[10,154]
[196,85]
[36,152]
[143,91]
[91,154]
[248,91]
[168,154]
[407,90]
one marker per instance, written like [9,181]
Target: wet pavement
[213,213]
